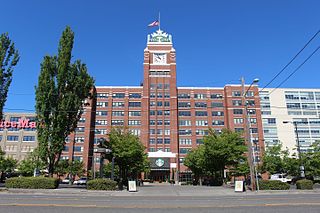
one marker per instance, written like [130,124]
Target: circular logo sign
[159,162]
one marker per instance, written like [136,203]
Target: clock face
[159,58]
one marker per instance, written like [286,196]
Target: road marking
[158,207]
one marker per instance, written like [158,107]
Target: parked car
[81,181]
[282,177]
[66,180]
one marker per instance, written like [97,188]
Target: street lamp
[295,124]
[251,158]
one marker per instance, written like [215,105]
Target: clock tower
[159,102]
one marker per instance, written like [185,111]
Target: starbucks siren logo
[159,162]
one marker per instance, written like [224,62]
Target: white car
[65,181]
[81,181]
[282,177]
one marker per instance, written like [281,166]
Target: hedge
[101,184]
[304,184]
[32,183]
[273,185]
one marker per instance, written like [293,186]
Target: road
[177,199]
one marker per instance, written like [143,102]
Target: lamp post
[251,159]
[295,124]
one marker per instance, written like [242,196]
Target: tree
[223,150]
[128,152]
[9,58]
[195,161]
[62,88]
[6,164]
[32,161]
[272,160]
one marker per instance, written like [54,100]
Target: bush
[304,184]
[101,184]
[273,185]
[32,183]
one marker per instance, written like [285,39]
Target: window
[253,130]
[159,112]
[238,120]
[217,113]
[250,94]
[82,120]
[199,141]
[184,96]
[166,86]
[184,131]
[78,158]
[117,122]
[240,130]
[200,96]
[184,122]
[29,138]
[201,132]
[101,122]
[159,86]
[184,113]
[167,132]
[117,104]
[152,112]
[184,104]
[159,141]
[166,103]
[12,138]
[201,123]
[100,131]
[152,149]
[152,122]
[102,95]
[159,103]
[152,86]
[159,122]
[166,95]
[251,111]
[184,150]
[152,95]
[79,139]
[15,119]
[268,121]
[152,103]
[117,113]
[250,102]
[118,95]
[167,141]
[200,105]
[134,95]
[236,93]
[237,111]
[134,122]
[136,132]
[293,105]
[79,129]
[216,96]
[101,113]
[102,104]
[134,104]
[66,149]
[167,150]
[185,141]
[167,122]
[159,95]
[253,120]
[166,112]
[216,104]
[201,113]
[236,102]
[134,113]
[0,137]
[152,141]
[218,122]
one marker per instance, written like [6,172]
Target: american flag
[155,23]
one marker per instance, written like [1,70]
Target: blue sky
[217,42]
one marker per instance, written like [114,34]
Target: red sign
[22,123]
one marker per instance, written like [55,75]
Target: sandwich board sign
[132,186]
[238,187]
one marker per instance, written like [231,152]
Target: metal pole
[101,165]
[247,136]
[298,149]
[112,170]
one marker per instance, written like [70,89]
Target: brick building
[169,120]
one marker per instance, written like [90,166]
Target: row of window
[119,104]
[118,95]
[16,138]
[15,129]
[199,96]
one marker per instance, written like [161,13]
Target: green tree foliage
[311,160]
[6,164]
[218,152]
[276,160]
[71,168]
[128,152]
[62,88]
[9,58]
[32,161]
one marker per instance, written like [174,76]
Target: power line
[290,61]
[291,74]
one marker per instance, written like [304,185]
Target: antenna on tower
[159,21]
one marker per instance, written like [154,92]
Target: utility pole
[247,134]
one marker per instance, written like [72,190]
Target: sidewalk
[155,190]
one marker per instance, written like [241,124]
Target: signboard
[132,186]
[159,163]
[22,123]
[238,187]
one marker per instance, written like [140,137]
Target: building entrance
[160,176]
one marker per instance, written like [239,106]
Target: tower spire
[159,21]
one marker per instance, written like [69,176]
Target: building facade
[286,110]
[18,134]
[168,119]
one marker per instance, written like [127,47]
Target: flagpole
[159,21]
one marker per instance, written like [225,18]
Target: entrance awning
[161,154]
